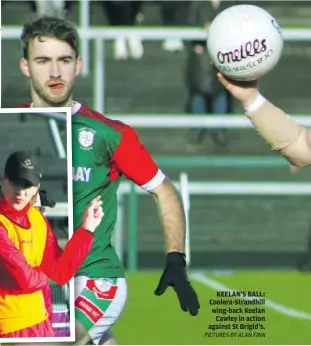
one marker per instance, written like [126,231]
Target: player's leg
[99,304]
[220,102]
[108,339]
[197,106]
[219,105]
[204,109]
[82,336]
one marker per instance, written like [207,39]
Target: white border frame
[67,111]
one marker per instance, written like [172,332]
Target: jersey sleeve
[16,275]
[60,266]
[133,160]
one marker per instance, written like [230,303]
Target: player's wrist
[253,103]
[176,257]
[88,228]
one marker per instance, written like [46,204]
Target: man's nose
[55,71]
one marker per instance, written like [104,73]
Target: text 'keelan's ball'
[244,42]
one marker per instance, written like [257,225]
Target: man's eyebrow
[43,57]
[63,57]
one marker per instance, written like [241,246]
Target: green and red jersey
[103,151]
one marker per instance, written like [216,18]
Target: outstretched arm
[17,276]
[133,160]
[279,130]
[60,266]
[171,214]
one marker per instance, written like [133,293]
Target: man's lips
[18,200]
[56,86]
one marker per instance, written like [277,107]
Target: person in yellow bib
[29,252]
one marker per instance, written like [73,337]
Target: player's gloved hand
[175,275]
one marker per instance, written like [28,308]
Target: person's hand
[175,275]
[245,92]
[93,215]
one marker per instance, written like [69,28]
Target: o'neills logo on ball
[249,49]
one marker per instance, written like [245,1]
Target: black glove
[175,275]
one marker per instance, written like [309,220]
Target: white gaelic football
[244,42]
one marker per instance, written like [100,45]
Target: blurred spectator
[205,93]
[123,13]
[174,13]
[51,7]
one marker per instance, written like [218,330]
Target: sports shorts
[40,330]
[99,303]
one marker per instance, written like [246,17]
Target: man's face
[18,195]
[52,68]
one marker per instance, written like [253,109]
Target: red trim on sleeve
[133,160]
[60,266]
[16,274]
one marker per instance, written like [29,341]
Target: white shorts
[99,303]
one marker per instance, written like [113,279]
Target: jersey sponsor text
[83,174]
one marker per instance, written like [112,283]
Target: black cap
[23,165]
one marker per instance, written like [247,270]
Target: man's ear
[79,65]
[23,64]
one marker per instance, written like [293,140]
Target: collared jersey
[104,151]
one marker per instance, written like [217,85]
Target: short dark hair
[50,26]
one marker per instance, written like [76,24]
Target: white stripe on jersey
[154,182]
